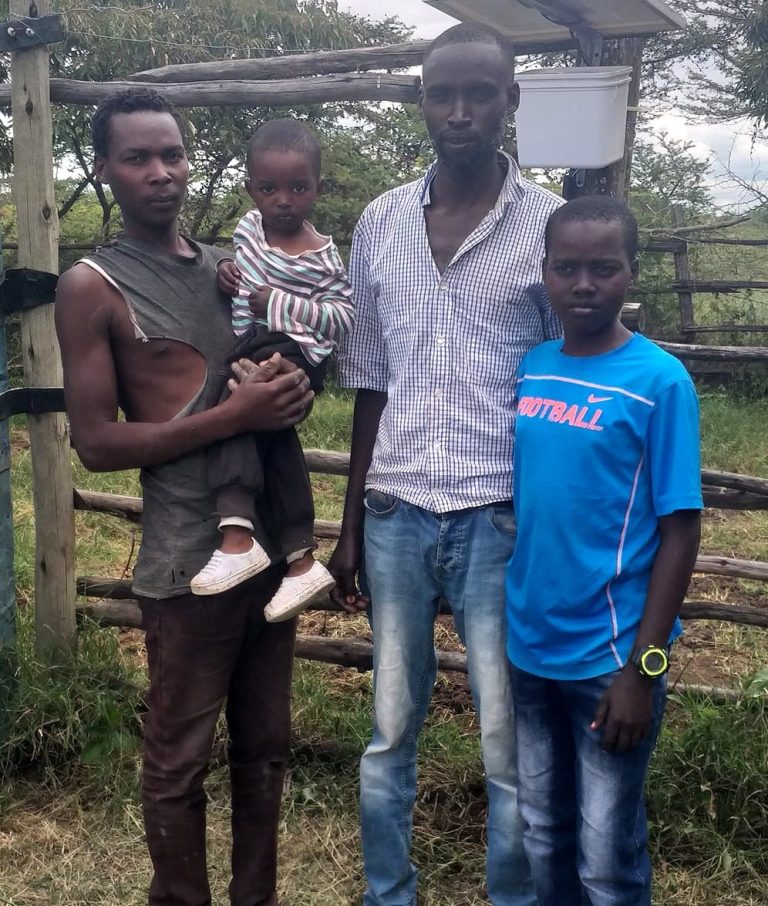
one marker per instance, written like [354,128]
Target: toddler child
[607,498]
[291,296]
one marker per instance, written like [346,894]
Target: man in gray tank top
[143,328]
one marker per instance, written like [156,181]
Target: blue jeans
[584,811]
[412,558]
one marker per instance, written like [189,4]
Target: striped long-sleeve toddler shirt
[311,298]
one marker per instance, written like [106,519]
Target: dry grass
[71,844]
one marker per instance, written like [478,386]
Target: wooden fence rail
[118,607]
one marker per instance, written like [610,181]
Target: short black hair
[286,135]
[596,207]
[472,33]
[129,100]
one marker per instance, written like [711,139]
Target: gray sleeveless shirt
[171,297]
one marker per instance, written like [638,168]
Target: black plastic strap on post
[23,288]
[31,401]
[24,32]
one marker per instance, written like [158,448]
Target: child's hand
[259,301]
[228,276]
[625,711]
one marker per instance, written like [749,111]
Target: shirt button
[438,394]
[443,287]
[440,340]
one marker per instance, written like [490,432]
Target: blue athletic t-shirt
[604,446]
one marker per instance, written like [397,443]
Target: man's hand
[228,277]
[259,301]
[270,396]
[344,566]
[625,711]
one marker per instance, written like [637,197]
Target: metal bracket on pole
[590,44]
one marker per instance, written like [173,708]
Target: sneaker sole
[232,581]
[297,606]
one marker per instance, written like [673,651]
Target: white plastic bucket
[573,117]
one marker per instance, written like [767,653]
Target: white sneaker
[296,593]
[225,571]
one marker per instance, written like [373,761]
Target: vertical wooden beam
[38,229]
[683,275]
[630,54]
[614,179]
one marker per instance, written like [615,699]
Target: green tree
[107,42]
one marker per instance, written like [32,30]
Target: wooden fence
[315,78]
[725,490]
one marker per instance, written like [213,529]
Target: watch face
[654,662]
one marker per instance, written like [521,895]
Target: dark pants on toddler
[236,466]
[201,652]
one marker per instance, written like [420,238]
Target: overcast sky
[724,146]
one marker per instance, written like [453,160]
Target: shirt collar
[511,189]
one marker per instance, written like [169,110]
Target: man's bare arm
[85,308]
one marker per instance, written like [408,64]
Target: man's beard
[469,159]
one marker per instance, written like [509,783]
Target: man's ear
[98,169]
[247,185]
[320,186]
[420,98]
[634,269]
[513,97]
[543,268]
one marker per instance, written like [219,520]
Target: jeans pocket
[377,503]
[502,517]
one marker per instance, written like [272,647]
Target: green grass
[70,822]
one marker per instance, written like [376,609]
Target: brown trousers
[201,652]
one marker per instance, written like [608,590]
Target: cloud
[427,20]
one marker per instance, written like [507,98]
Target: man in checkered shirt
[446,274]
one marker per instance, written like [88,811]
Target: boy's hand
[625,711]
[228,276]
[259,301]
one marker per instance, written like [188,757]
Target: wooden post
[683,275]
[614,179]
[38,229]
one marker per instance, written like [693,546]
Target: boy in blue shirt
[607,498]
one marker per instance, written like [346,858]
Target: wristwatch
[651,661]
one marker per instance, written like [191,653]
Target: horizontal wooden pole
[725,328]
[352,652]
[706,564]
[127,614]
[735,354]
[327,462]
[701,286]
[727,499]
[735,481]
[728,613]
[291,66]
[713,565]
[286,92]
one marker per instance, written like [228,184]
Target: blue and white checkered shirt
[445,348]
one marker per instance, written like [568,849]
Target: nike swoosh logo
[598,399]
